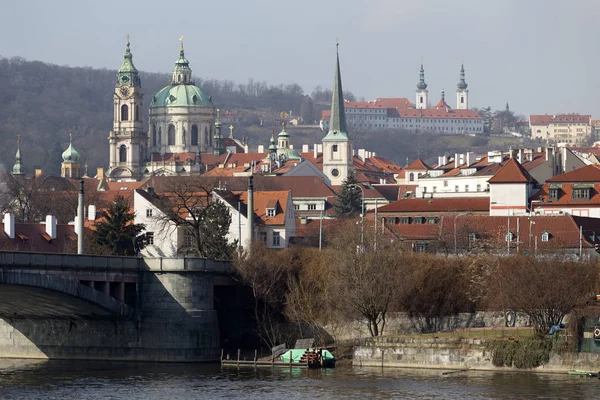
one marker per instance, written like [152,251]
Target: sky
[540,56]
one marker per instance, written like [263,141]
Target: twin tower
[462,94]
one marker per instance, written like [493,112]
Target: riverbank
[455,354]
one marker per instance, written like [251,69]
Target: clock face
[124,91]
[335,172]
[124,79]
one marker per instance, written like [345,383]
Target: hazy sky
[542,56]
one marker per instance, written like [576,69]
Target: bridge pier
[155,310]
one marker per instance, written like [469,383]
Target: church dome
[70,154]
[181,96]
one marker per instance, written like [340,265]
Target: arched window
[210,136]
[411,177]
[462,100]
[159,136]
[421,99]
[171,135]
[194,135]
[205,135]
[122,153]
[137,112]
[178,78]
[124,113]
[419,175]
[153,135]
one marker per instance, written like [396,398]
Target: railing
[125,264]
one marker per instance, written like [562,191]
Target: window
[148,212]
[312,207]
[509,236]
[472,237]
[296,207]
[420,247]
[405,220]
[153,135]
[432,220]
[137,112]
[456,188]
[123,153]
[445,183]
[478,187]
[545,236]
[171,135]
[466,188]
[124,112]
[418,220]
[391,220]
[411,177]
[276,239]
[553,194]
[188,239]
[262,236]
[581,194]
[149,238]
[435,189]
[194,135]
[270,212]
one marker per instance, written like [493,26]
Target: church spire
[182,73]
[421,85]
[337,123]
[128,73]
[217,138]
[18,168]
[462,85]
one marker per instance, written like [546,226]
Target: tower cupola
[462,94]
[18,168]
[128,74]
[182,73]
[421,93]
[421,85]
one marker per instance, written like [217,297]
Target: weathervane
[181,40]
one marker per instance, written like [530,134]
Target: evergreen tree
[117,232]
[209,231]
[348,202]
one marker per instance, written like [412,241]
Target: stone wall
[400,324]
[454,353]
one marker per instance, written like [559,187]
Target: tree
[25,197]
[348,202]
[307,110]
[118,232]
[188,203]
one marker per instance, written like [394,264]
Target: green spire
[421,85]
[337,123]
[272,145]
[182,73]
[18,168]
[70,155]
[128,73]
[462,85]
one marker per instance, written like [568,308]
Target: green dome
[70,154]
[181,96]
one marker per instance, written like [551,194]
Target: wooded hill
[43,102]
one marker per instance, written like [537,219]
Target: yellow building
[561,128]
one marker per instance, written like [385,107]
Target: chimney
[250,212]
[361,154]
[320,148]
[100,173]
[291,147]
[261,148]
[51,226]
[549,153]
[456,160]
[91,212]
[245,148]
[80,217]
[305,148]
[9,225]
[38,172]
[470,158]
[521,155]
[150,190]
[512,153]
[316,151]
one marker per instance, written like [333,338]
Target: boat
[591,374]
[313,358]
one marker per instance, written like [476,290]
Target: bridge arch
[43,285]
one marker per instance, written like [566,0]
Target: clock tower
[127,140]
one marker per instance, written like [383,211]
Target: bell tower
[127,139]
[462,94]
[337,145]
[421,93]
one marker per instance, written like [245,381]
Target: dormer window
[509,237]
[581,192]
[432,220]
[545,236]
[270,212]
[418,220]
[405,220]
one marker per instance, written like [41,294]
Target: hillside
[43,102]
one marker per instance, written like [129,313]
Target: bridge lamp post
[455,218]
[362,216]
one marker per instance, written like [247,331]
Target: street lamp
[458,215]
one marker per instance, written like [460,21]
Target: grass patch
[526,353]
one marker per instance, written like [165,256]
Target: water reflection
[35,379]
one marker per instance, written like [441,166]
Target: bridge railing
[59,261]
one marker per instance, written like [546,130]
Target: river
[26,379]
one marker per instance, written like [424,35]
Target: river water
[25,379]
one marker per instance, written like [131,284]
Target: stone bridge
[103,307]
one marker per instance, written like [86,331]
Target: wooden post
[221,355]
[255,353]
[238,357]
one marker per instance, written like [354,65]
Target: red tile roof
[33,238]
[560,119]
[172,157]
[512,172]
[565,197]
[589,173]
[418,165]
[456,204]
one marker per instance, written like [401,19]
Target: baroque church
[183,124]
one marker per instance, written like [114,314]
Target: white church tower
[127,141]
[337,146]
[462,94]
[421,94]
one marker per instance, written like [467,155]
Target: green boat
[315,358]
[591,374]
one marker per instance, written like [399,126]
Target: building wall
[165,233]
[509,198]
[575,133]
[183,118]
[455,186]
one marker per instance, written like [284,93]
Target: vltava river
[23,380]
